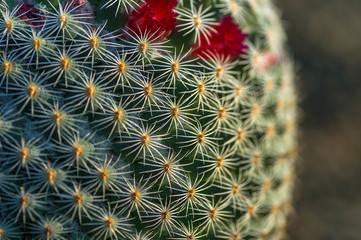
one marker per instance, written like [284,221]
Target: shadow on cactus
[155,119]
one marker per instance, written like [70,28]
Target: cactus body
[137,120]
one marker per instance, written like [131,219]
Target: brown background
[325,39]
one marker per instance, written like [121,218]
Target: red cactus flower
[154,16]
[228,40]
[30,14]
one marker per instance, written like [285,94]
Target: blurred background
[325,40]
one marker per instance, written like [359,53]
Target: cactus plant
[154,119]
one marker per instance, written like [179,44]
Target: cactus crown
[154,119]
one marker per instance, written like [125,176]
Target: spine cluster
[175,125]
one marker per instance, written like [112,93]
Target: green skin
[257,226]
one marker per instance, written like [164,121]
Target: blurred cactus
[159,119]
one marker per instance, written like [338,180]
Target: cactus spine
[126,119]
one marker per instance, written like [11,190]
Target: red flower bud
[154,16]
[271,58]
[30,14]
[228,40]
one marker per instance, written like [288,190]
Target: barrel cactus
[153,119]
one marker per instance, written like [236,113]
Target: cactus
[154,119]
